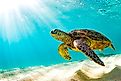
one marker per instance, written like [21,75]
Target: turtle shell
[94,39]
[90,34]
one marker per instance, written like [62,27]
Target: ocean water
[25,26]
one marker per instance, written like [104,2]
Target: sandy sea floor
[73,71]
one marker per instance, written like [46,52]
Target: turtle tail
[111,46]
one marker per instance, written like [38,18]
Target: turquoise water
[25,38]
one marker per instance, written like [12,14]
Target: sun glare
[8,5]
[16,17]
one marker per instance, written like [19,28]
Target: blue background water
[39,48]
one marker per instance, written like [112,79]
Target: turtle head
[59,35]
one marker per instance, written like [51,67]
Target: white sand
[72,71]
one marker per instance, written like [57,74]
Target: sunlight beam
[21,18]
[16,18]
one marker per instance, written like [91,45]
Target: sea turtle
[83,40]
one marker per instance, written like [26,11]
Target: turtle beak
[52,32]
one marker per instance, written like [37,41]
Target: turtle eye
[59,33]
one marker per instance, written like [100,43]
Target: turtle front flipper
[82,46]
[63,51]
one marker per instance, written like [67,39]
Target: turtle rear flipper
[63,51]
[82,46]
